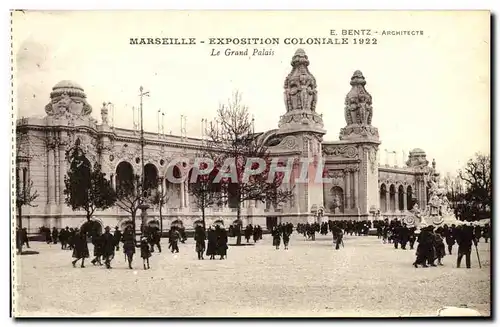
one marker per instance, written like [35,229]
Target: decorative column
[56,174]
[405,201]
[62,172]
[387,200]
[50,175]
[187,197]
[422,194]
[182,195]
[356,189]
[347,189]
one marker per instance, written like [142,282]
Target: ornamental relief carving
[337,177]
[340,151]
[336,173]
[289,143]
[351,168]
[128,153]
[372,157]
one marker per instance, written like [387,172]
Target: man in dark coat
[248,232]
[449,235]
[337,236]
[424,248]
[80,250]
[118,237]
[486,233]
[25,239]
[174,238]
[221,242]
[412,237]
[63,238]
[404,236]
[55,235]
[108,247]
[48,237]
[465,239]
[212,243]
[129,245]
[155,239]
[199,237]
[98,249]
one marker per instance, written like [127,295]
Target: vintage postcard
[251,164]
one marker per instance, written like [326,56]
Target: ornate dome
[68,96]
[417,151]
[69,87]
[67,84]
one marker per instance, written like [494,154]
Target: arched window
[409,198]
[401,198]
[150,177]
[392,198]
[125,177]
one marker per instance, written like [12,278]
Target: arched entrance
[150,177]
[125,177]
[383,198]
[401,198]
[392,198]
[173,189]
[79,174]
[337,204]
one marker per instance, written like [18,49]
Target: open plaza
[365,278]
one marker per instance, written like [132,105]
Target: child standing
[145,252]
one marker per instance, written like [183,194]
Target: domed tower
[417,159]
[301,97]
[358,112]
[68,99]
[360,133]
[302,126]
[425,176]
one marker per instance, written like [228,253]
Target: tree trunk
[161,220]
[133,222]
[203,217]
[238,229]
[19,241]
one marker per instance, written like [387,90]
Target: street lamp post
[144,206]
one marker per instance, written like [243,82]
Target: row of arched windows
[393,199]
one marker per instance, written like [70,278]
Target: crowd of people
[433,243]
[254,232]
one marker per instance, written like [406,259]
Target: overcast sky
[429,91]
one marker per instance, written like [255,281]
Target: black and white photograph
[251,164]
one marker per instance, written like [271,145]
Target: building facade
[359,188]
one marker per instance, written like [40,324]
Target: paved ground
[366,278]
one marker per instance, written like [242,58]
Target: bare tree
[160,198]
[131,197]
[477,178]
[205,192]
[231,136]
[453,186]
[25,196]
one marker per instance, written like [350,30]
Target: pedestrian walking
[81,249]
